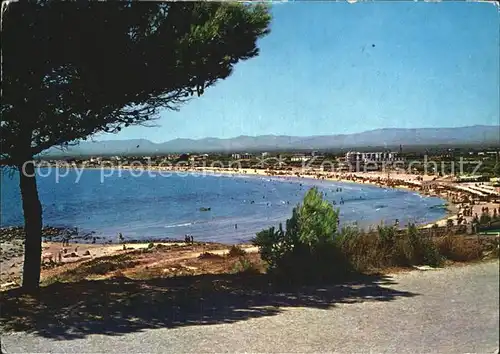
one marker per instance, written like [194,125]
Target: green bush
[306,249]
[310,246]
[420,249]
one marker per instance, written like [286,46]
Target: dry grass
[205,263]
[160,262]
[365,252]
[371,251]
[95,267]
[459,248]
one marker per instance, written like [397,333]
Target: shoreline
[393,180]
[315,175]
[421,184]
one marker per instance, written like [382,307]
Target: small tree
[74,69]
[306,249]
[317,220]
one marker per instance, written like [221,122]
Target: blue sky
[332,68]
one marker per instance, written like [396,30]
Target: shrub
[236,251]
[359,248]
[386,247]
[419,249]
[459,248]
[306,249]
[245,266]
[311,247]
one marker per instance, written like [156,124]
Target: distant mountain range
[390,137]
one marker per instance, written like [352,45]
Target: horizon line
[297,136]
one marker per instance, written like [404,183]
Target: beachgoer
[236,226]
[192,239]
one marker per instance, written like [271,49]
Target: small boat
[205,209]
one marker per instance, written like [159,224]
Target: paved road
[454,310]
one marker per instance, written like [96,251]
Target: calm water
[160,207]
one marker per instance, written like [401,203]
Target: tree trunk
[32,226]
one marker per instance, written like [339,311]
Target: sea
[219,208]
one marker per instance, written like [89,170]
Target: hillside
[472,135]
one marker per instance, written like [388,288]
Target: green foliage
[86,67]
[244,266]
[90,67]
[276,244]
[306,250]
[317,220]
[419,249]
[311,247]
[387,235]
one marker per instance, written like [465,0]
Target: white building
[242,156]
[299,158]
[371,157]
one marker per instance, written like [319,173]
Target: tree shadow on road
[121,305]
